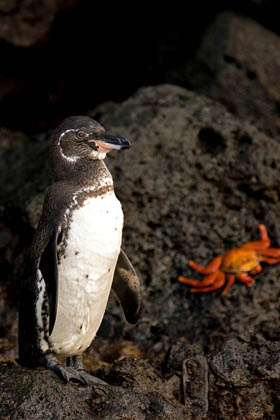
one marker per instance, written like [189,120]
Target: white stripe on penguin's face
[68,158]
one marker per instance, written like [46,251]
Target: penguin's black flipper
[126,285]
[44,247]
[49,270]
[39,288]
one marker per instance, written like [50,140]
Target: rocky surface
[60,58]
[238,64]
[196,182]
[38,394]
[201,183]
[239,379]
[24,23]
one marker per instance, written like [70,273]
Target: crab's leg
[270,252]
[271,260]
[209,279]
[244,278]
[221,278]
[230,281]
[263,243]
[210,268]
[256,270]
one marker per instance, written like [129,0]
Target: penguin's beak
[106,142]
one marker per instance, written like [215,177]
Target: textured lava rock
[201,181]
[240,379]
[39,394]
[243,378]
[24,23]
[238,64]
[196,182]
[53,42]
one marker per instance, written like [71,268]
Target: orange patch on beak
[102,147]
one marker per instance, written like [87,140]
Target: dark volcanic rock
[39,394]
[238,380]
[241,359]
[242,380]
[245,379]
[200,183]
[24,23]
[238,64]
[196,182]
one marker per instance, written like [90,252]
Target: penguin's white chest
[86,272]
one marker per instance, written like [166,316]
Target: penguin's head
[81,137]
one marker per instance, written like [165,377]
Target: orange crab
[236,263]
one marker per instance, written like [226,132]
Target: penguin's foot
[87,377]
[76,363]
[72,374]
[69,374]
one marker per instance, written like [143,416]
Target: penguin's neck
[86,173]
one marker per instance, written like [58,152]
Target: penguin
[76,255]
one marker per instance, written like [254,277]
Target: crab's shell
[240,260]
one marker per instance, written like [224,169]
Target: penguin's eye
[82,134]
